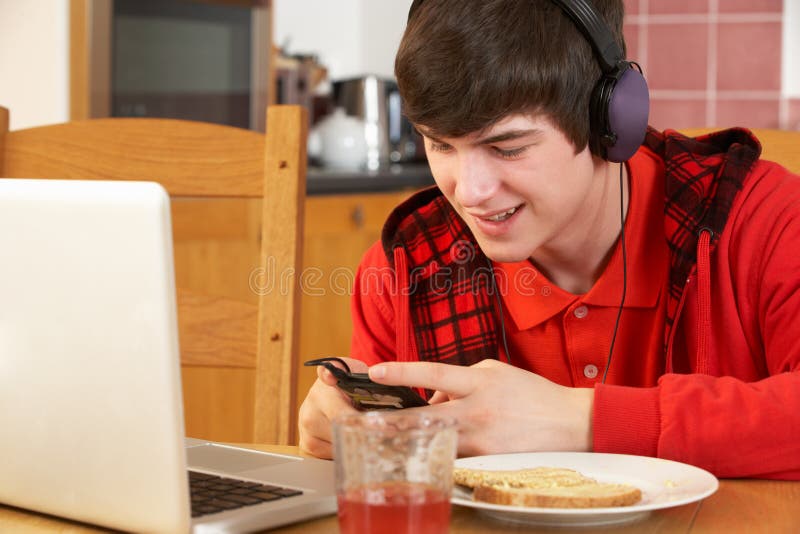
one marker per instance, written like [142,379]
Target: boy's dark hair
[463,65]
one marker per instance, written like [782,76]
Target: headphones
[620,101]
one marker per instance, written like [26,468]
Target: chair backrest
[780,146]
[237,205]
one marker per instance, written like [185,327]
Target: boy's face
[520,187]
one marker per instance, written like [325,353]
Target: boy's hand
[323,403]
[499,408]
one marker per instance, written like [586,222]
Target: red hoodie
[729,400]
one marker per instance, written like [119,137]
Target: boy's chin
[504,254]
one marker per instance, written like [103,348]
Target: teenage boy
[535,316]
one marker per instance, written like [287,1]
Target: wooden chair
[237,209]
[781,146]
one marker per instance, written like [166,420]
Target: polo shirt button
[590,371]
[581,312]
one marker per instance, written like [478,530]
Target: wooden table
[738,506]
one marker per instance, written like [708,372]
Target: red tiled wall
[711,62]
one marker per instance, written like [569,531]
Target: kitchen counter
[324,181]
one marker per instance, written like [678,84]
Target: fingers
[314,439]
[326,376]
[454,380]
[438,397]
[321,406]
[472,441]
[356,366]
[316,447]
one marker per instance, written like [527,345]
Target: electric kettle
[389,136]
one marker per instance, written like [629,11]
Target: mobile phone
[366,394]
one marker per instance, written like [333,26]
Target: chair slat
[188,158]
[281,247]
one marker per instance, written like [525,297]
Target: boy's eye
[440,147]
[509,154]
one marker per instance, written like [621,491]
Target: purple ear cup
[628,111]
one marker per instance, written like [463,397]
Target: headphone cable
[624,273]
[500,311]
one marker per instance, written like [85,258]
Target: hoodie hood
[703,176]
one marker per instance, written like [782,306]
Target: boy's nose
[476,182]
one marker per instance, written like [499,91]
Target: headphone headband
[598,34]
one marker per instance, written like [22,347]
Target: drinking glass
[394,472]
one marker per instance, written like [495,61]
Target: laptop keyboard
[211,494]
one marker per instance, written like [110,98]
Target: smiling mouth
[500,217]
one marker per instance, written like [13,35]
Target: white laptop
[91,416]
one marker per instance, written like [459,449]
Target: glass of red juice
[394,472]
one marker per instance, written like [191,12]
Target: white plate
[664,484]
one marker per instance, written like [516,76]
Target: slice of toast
[520,478]
[589,495]
[546,487]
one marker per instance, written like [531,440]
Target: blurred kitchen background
[708,63]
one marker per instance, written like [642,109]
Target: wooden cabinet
[216,246]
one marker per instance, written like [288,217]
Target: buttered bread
[547,487]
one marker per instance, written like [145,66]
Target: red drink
[396,507]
